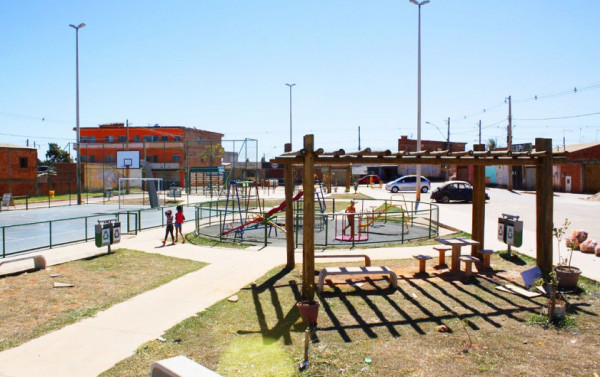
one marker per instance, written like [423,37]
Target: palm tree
[491,144]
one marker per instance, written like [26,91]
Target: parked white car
[408,183]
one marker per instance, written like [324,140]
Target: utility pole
[359,138]
[509,145]
[479,131]
[448,149]
[448,138]
[127,148]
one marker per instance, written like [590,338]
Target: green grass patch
[31,306]
[211,242]
[489,331]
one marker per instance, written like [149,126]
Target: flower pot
[567,276]
[308,311]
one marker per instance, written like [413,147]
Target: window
[109,139]
[23,162]
[92,158]
[136,138]
[109,158]
[92,139]
[147,138]
[122,139]
[177,138]
[164,138]
[176,158]
[155,138]
[155,158]
[149,158]
[84,139]
[83,158]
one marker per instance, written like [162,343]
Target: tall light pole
[290,85]
[77,107]
[419,100]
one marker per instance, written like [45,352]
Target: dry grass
[491,332]
[30,306]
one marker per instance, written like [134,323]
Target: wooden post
[308,221]
[329,179]
[544,206]
[348,176]
[478,211]
[288,177]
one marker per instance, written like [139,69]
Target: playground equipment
[246,218]
[349,221]
[389,212]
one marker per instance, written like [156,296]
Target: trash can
[51,194]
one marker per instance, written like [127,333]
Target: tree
[212,154]
[491,144]
[55,154]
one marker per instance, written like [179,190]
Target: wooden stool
[468,264]
[487,254]
[442,251]
[422,259]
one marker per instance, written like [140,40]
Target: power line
[562,117]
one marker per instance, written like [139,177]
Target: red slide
[281,207]
[269,214]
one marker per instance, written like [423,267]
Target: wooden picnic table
[456,244]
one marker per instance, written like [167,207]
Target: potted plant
[309,311]
[566,275]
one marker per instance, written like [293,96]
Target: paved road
[581,212]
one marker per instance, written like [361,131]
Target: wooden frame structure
[479,158]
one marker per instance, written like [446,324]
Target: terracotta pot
[567,276]
[308,311]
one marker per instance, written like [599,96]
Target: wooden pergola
[542,158]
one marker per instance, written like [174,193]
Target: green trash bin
[103,234]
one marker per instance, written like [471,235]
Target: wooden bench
[39,262]
[367,259]
[487,253]
[468,264]
[381,270]
[442,253]
[180,366]
[422,259]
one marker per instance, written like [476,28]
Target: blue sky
[222,66]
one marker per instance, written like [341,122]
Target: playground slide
[281,207]
[259,219]
[381,213]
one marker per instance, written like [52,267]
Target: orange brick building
[170,151]
[18,169]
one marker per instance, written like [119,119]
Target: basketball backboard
[128,159]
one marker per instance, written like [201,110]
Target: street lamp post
[419,100]
[77,107]
[290,85]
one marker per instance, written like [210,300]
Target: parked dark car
[454,190]
[367,179]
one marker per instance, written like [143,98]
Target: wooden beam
[288,177]
[486,160]
[478,210]
[308,221]
[544,207]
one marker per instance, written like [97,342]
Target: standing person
[169,215]
[350,210]
[179,218]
